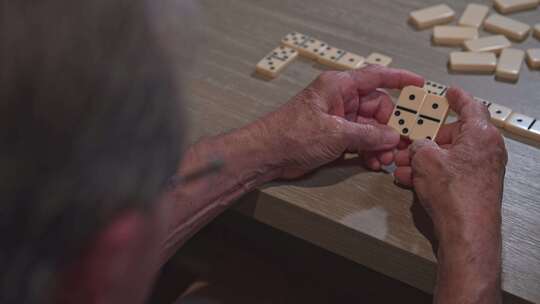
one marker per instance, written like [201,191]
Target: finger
[385,157]
[465,106]
[404,143]
[376,104]
[371,161]
[369,137]
[403,158]
[403,176]
[418,145]
[372,77]
[447,133]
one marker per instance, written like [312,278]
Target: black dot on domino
[401,121]
[351,59]
[429,137]
[498,112]
[519,120]
[412,97]
[397,113]
[405,130]
[420,122]
[435,106]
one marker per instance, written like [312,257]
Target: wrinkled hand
[338,112]
[459,181]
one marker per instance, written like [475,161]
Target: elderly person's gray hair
[89,126]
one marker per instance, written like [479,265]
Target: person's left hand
[339,112]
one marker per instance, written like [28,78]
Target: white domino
[470,62]
[379,59]
[499,114]
[511,28]
[511,6]
[474,15]
[521,124]
[273,63]
[509,64]
[488,44]
[294,40]
[533,58]
[451,35]
[433,15]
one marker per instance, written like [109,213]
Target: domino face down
[508,27]
[450,35]
[510,64]
[512,6]
[533,58]
[493,44]
[474,15]
[433,15]
[471,62]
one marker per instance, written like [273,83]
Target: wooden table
[357,214]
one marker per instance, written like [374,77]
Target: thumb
[370,137]
[426,157]
[423,144]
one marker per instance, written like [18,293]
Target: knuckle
[425,154]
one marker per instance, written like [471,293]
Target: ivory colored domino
[294,40]
[471,62]
[537,31]
[350,61]
[499,114]
[487,103]
[511,28]
[520,124]
[312,48]
[493,44]
[435,88]
[474,15]
[431,117]
[433,15]
[276,61]
[379,59]
[533,58]
[509,64]
[405,112]
[329,55]
[534,131]
[512,6]
[451,35]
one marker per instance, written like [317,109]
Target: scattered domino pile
[295,44]
[419,114]
[480,53]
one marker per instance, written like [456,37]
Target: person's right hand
[459,181]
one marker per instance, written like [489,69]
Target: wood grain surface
[342,207]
